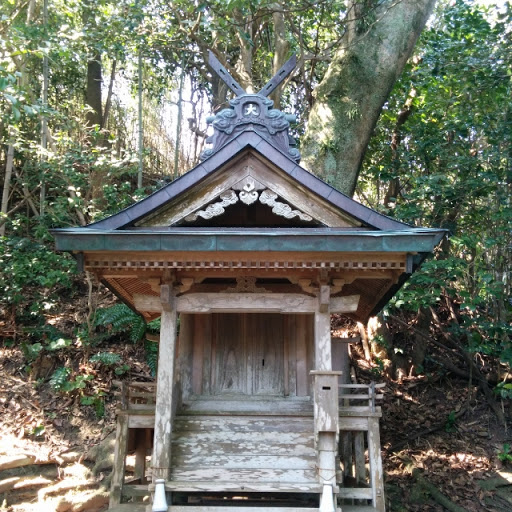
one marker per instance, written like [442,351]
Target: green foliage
[504,390]
[106,358]
[59,378]
[43,338]
[110,359]
[449,166]
[121,319]
[25,263]
[97,401]
[450,423]
[59,381]
[506,454]
[151,348]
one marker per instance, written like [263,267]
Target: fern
[138,330]
[59,378]
[106,358]
[151,356]
[122,319]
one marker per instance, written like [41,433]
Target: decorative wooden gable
[248,192]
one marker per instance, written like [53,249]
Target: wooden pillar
[323,356]
[116,486]
[326,392]
[161,462]
[376,472]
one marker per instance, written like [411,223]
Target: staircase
[245,460]
[238,456]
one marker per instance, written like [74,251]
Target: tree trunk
[419,348]
[93,92]
[358,81]
[243,66]
[7,183]
[281,49]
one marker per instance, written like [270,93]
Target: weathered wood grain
[243,476]
[359,493]
[161,461]
[116,486]
[289,445]
[255,302]
[231,361]
[249,486]
[254,424]
[264,334]
[376,471]
[206,461]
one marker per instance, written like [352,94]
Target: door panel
[264,334]
[230,374]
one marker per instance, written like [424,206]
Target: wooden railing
[136,395]
[360,477]
[362,396]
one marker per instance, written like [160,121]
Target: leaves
[449,166]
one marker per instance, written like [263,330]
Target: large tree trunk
[358,81]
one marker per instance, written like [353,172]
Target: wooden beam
[253,302]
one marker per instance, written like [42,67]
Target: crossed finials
[252,112]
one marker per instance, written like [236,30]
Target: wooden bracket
[186,284]
[337,285]
[307,286]
[154,283]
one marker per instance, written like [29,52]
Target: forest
[406,106]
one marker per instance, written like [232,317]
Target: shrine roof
[420,240]
[245,140]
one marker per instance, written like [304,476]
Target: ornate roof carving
[252,111]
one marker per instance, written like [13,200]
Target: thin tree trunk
[44,120]
[179,120]
[244,64]
[281,49]
[108,103]
[140,125]
[9,164]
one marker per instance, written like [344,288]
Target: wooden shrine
[244,258]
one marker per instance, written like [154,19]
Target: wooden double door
[245,354]
[248,354]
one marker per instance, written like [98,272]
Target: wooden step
[246,423]
[243,487]
[129,507]
[194,444]
[202,508]
[242,476]
[358,508]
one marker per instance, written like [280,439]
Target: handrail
[371,394]
[135,393]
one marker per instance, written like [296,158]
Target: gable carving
[252,184]
[215,209]
[248,192]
